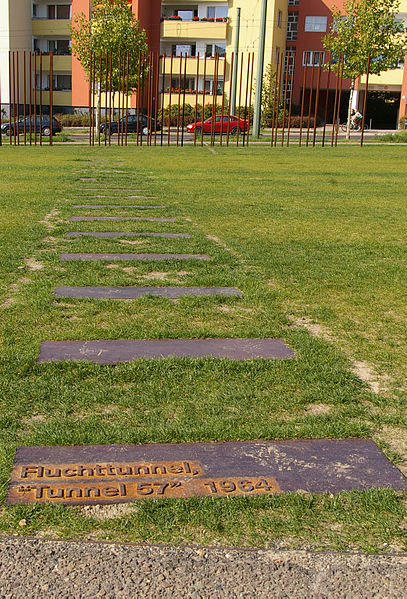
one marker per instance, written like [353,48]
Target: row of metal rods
[281,102]
[110,83]
[31,97]
[149,98]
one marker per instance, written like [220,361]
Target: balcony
[42,27]
[192,65]
[59,98]
[59,63]
[193,30]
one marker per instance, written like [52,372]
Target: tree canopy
[363,28]
[112,29]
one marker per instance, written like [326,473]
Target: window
[59,47]
[279,18]
[181,50]
[62,82]
[35,10]
[186,15]
[289,60]
[217,12]
[293,2]
[213,49]
[313,58]
[210,86]
[189,83]
[316,24]
[287,88]
[59,11]
[292,26]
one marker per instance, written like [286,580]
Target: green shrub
[75,120]
[399,137]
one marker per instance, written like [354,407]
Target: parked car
[226,123]
[37,123]
[146,124]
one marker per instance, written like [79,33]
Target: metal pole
[196,95]
[249,116]
[9,94]
[30,68]
[183,99]
[41,107]
[260,67]
[326,99]
[234,66]
[316,102]
[90,100]
[51,99]
[18,96]
[169,101]
[365,99]
[292,55]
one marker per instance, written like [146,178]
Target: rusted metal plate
[111,189]
[135,292]
[95,257]
[97,474]
[128,350]
[126,234]
[99,206]
[126,198]
[159,219]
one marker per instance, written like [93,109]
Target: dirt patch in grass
[376,382]
[107,512]
[112,266]
[316,409]
[224,246]
[314,329]
[33,264]
[130,242]
[396,439]
[162,276]
[51,219]
[13,289]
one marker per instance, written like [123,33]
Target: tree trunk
[352,89]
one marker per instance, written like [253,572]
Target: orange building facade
[148,12]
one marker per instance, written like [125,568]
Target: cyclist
[356,118]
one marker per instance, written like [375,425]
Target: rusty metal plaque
[135,292]
[126,234]
[105,256]
[117,218]
[98,206]
[128,350]
[98,474]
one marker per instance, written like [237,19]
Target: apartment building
[307,23]
[199,29]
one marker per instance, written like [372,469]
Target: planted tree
[269,103]
[363,29]
[113,32]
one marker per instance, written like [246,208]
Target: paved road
[80,134]
[77,570]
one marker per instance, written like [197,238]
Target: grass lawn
[315,238]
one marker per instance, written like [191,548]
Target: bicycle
[353,127]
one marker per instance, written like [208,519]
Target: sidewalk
[77,570]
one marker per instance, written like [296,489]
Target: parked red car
[231,123]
